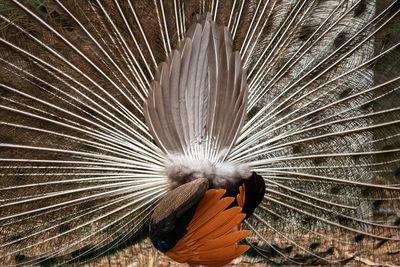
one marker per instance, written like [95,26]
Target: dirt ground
[146,255]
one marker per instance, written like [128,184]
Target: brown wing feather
[212,237]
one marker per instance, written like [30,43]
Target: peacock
[263,128]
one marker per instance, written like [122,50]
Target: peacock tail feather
[90,143]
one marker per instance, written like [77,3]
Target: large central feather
[197,104]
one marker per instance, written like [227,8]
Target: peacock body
[109,108]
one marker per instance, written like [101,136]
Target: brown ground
[146,255]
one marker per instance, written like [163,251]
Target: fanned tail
[197,104]
[310,102]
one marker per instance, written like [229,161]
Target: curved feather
[211,238]
[201,106]
[202,81]
[81,170]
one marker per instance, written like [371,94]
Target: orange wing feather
[212,237]
[208,201]
[241,196]
[218,207]
[226,240]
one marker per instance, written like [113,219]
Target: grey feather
[94,131]
[213,90]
